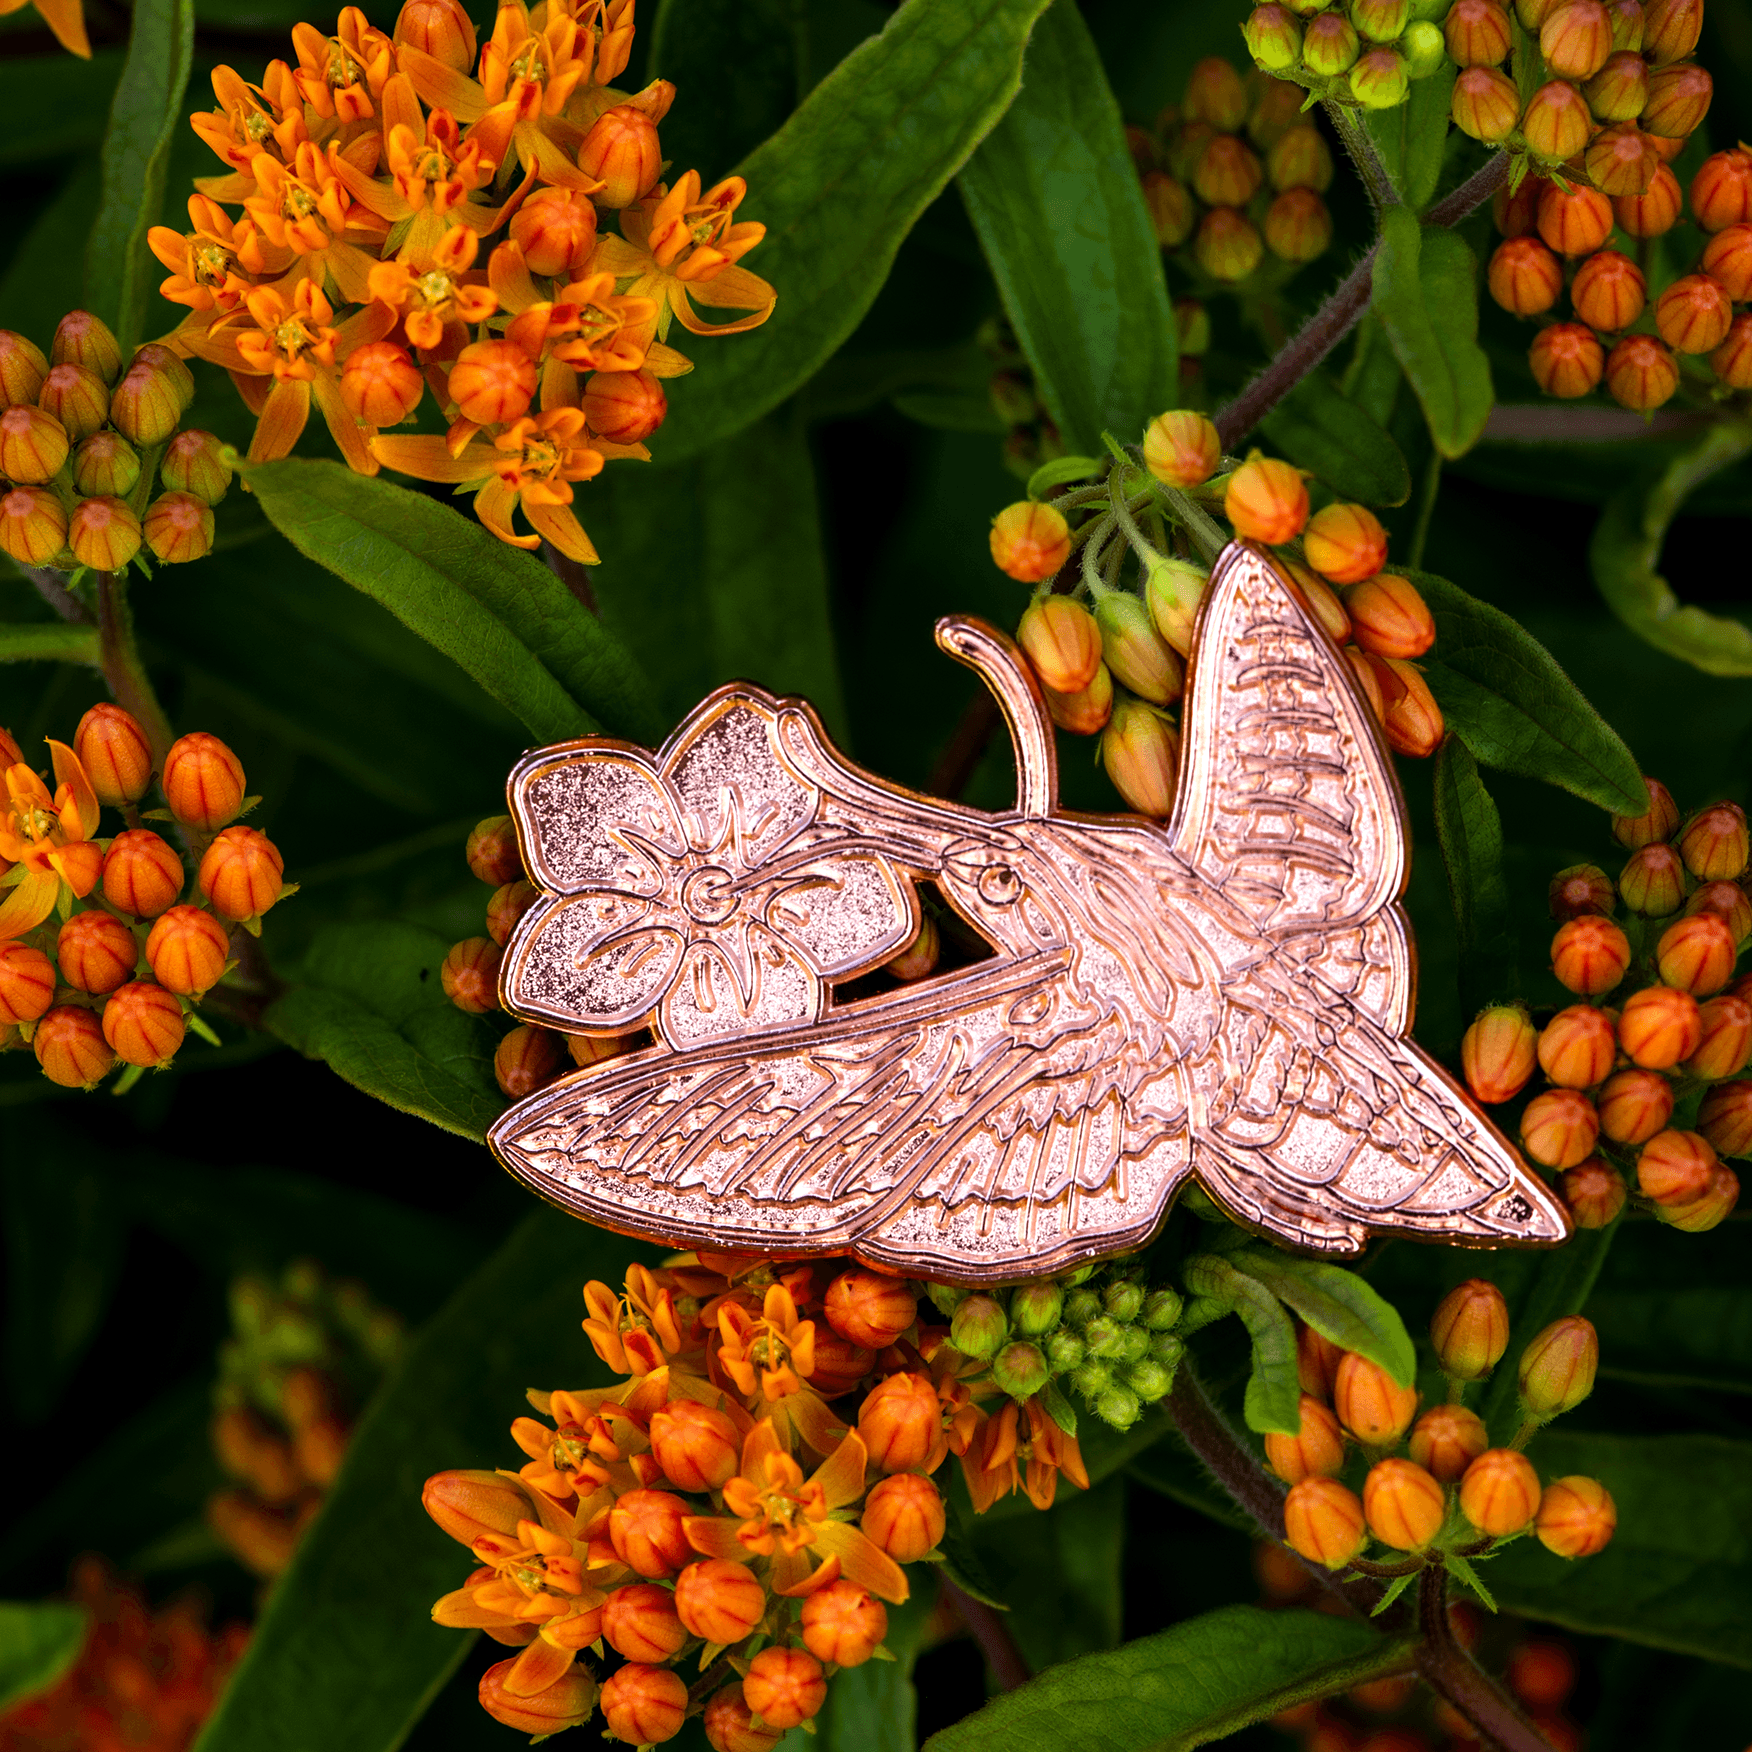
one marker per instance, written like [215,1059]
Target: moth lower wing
[1287,800]
[943,1132]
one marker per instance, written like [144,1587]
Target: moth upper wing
[1287,800]
[961,1128]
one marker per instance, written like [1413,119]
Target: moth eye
[1000,885]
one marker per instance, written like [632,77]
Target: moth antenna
[994,657]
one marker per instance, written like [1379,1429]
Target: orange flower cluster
[1238,170]
[1559,235]
[82,444]
[280,1428]
[121,975]
[373,174]
[1679,1023]
[144,1681]
[741,1500]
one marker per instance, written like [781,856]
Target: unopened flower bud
[843,1623]
[527,1059]
[1558,1367]
[624,407]
[1674,1167]
[492,382]
[1297,226]
[1065,1351]
[1403,1504]
[1174,589]
[1316,1450]
[1470,1329]
[621,151]
[141,874]
[1574,221]
[492,851]
[27,983]
[439,28]
[1590,954]
[33,525]
[1714,1204]
[1655,211]
[1576,1517]
[1556,123]
[1658,823]
[1216,93]
[186,950]
[1477,33]
[1036,1308]
[1170,209]
[1228,172]
[1062,642]
[1525,278]
[1117,1405]
[1266,500]
[640,1621]
[696,1445]
[96,951]
[1593,1193]
[978,1328]
[1411,717]
[1576,39]
[556,230]
[1634,1105]
[904,1514]
[1133,650]
[1619,90]
[784,1687]
[146,405]
[1622,159]
[105,464]
[507,906]
[1679,98]
[104,533]
[23,367]
[1567,360]
[241,873]
[901,1422]
[1559,1128]
[1641,374]
[1161,1310]
[1317,1362]
[1577,1047]
[71,1049]
[1725,1118]
[1659,1026]
[75,396]
[203,781]
[1721,191]
[1609,291]
[645,1527]
[1182,449]
[1485,105]
[1020,1370]
[1329,45]
[644,1705]
[1228,245]
[1446,1440]
[470,975]
[84,339]
[1370,1403]
[1380,79]
[1324,1522]
[1499,1493]
[1653,881]
[731,1726]
[143,1024]
[1274,37]
[1380,21]
[719,1600]
[1140,752]
[1713,843]
[1029,541]
[33,445]
[1300,159]
[1697,954]
[381,385]
[475,1505]
[1694,314]
[1346,544]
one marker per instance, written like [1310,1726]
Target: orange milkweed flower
[246,124]
[47,839]
[217,261]
[574,1457]
[1021,1446]
[775,1351]
[308,211]
[66,18]
[340,76]
[636,1332]
[439,303]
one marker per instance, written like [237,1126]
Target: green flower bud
[1423,48]
[1124,1299]
[1104,1336]
[1162,1309]
[1274,38]
[1035,1308]
[1329,45]
[1380,21]
[1065,1351]
[1380,79]
[194,462]
[1020,1370]
[978,1328]
[1167,1349]
[1081,1306]
[106,463]
[1557,1367]
[1174,588]
[1149,1381]
[1134,1344]
[946,1298]
[1070,1279]
[1118,1406]
[1092,1380]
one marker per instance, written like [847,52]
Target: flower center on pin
[707,895]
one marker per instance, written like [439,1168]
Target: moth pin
[1222,999]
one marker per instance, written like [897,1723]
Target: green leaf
[1678,1573]
[51,104]
[370,1005]
[38,1643]
[839,186]
[1372,378]
[346,1653]
[1338,1304]
[1054,196]
[1426,295]
[1470,832]
[1507,698]
[146,113]
[1411,139]
[494,610]
[1061,472]
[49,642]
[1626,549]
[1183,1687]
[1469,1575]
[1274,1391]
[1320,429]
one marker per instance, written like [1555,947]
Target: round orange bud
[1694,314]
[1322,602]
[625,407]
[1388,616]
[146,405]
[492,382]
[1671,29]
[1577,1517]
[1140,753]
[784,1687]
[1486,105]
[1029,541]
[1721,199]
[97,952]
[1267,500]
[1576,38]
[1216,93]
[144,1023]
[1655,211]
[1346,544]
[1297,226]
[492,851]
[23,366]
[1300,159]
[904,1515]
[640,1621]
[1727,258]
[1182,449]
[141,874]
[381,385]
[1619,90]
[33,525]
[644,1705]
[1713,843]
[1725,1118]
[1317,1360]
[1659,823]
[241,873]
[1652,881]
[1524,276]
[696,1445]
[645,1527]
[115,754]
[1574,222]
[843,1624]
[1732,360]
[527,1059]
[1470,1329]
[194,462]
[839,1364]
[1593,1193]
[621,151]
[1556,123]
[556,230]
[1567,360]
[1710,1207]
[1499,1493]
[1062,642]
[1170,208]
[1679,99]
[1497,1053]
[186,950]
[203,781]
[1323,1522]
[1634,1105]
[1590,955]
[1228,245]
[1085,712]
[84,339]
[1315,1451]
[1640,373]
[474,1505]
[1609,291]
[33,445]
[76,397]
[1228,172]
[1576,1047]
[919,957]
[1559,1128]
[1658,1027]
[1697,953]
[439,28]
[470,975]
[1403,1505]
[1370,1403]
[1447,1439]
[1477,33]
[156,357]
[1674,1167]
[1622,160]
[729,1722]
[508,905]
[870,1308]
[103,533]
[567,1703]
[27,983]
[71,1048]
[719,1600]
[178,528]
[1410,715]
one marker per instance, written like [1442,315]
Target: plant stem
[1360,149]
[1340,313]
[56,594]
[1009,1666]
[1426,509]
[1447,1669]
[122,668]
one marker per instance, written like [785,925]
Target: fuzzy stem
[1453,1674]
[122,667]
[1008,1664]
[1340,314]
[1360,149]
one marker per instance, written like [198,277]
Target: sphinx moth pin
[1225,998]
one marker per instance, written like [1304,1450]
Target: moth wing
[952,1131]
[1287,800]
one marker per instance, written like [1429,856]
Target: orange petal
[441,87]
[30,902]
[462,1611]
[792,1576]
[79,865]
[862,1560]
[560,525]
[429,459]
[538,1667]
[841,1474]
[283,419]
[66,18]
[70,777]
[494,505]
[715,1536]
